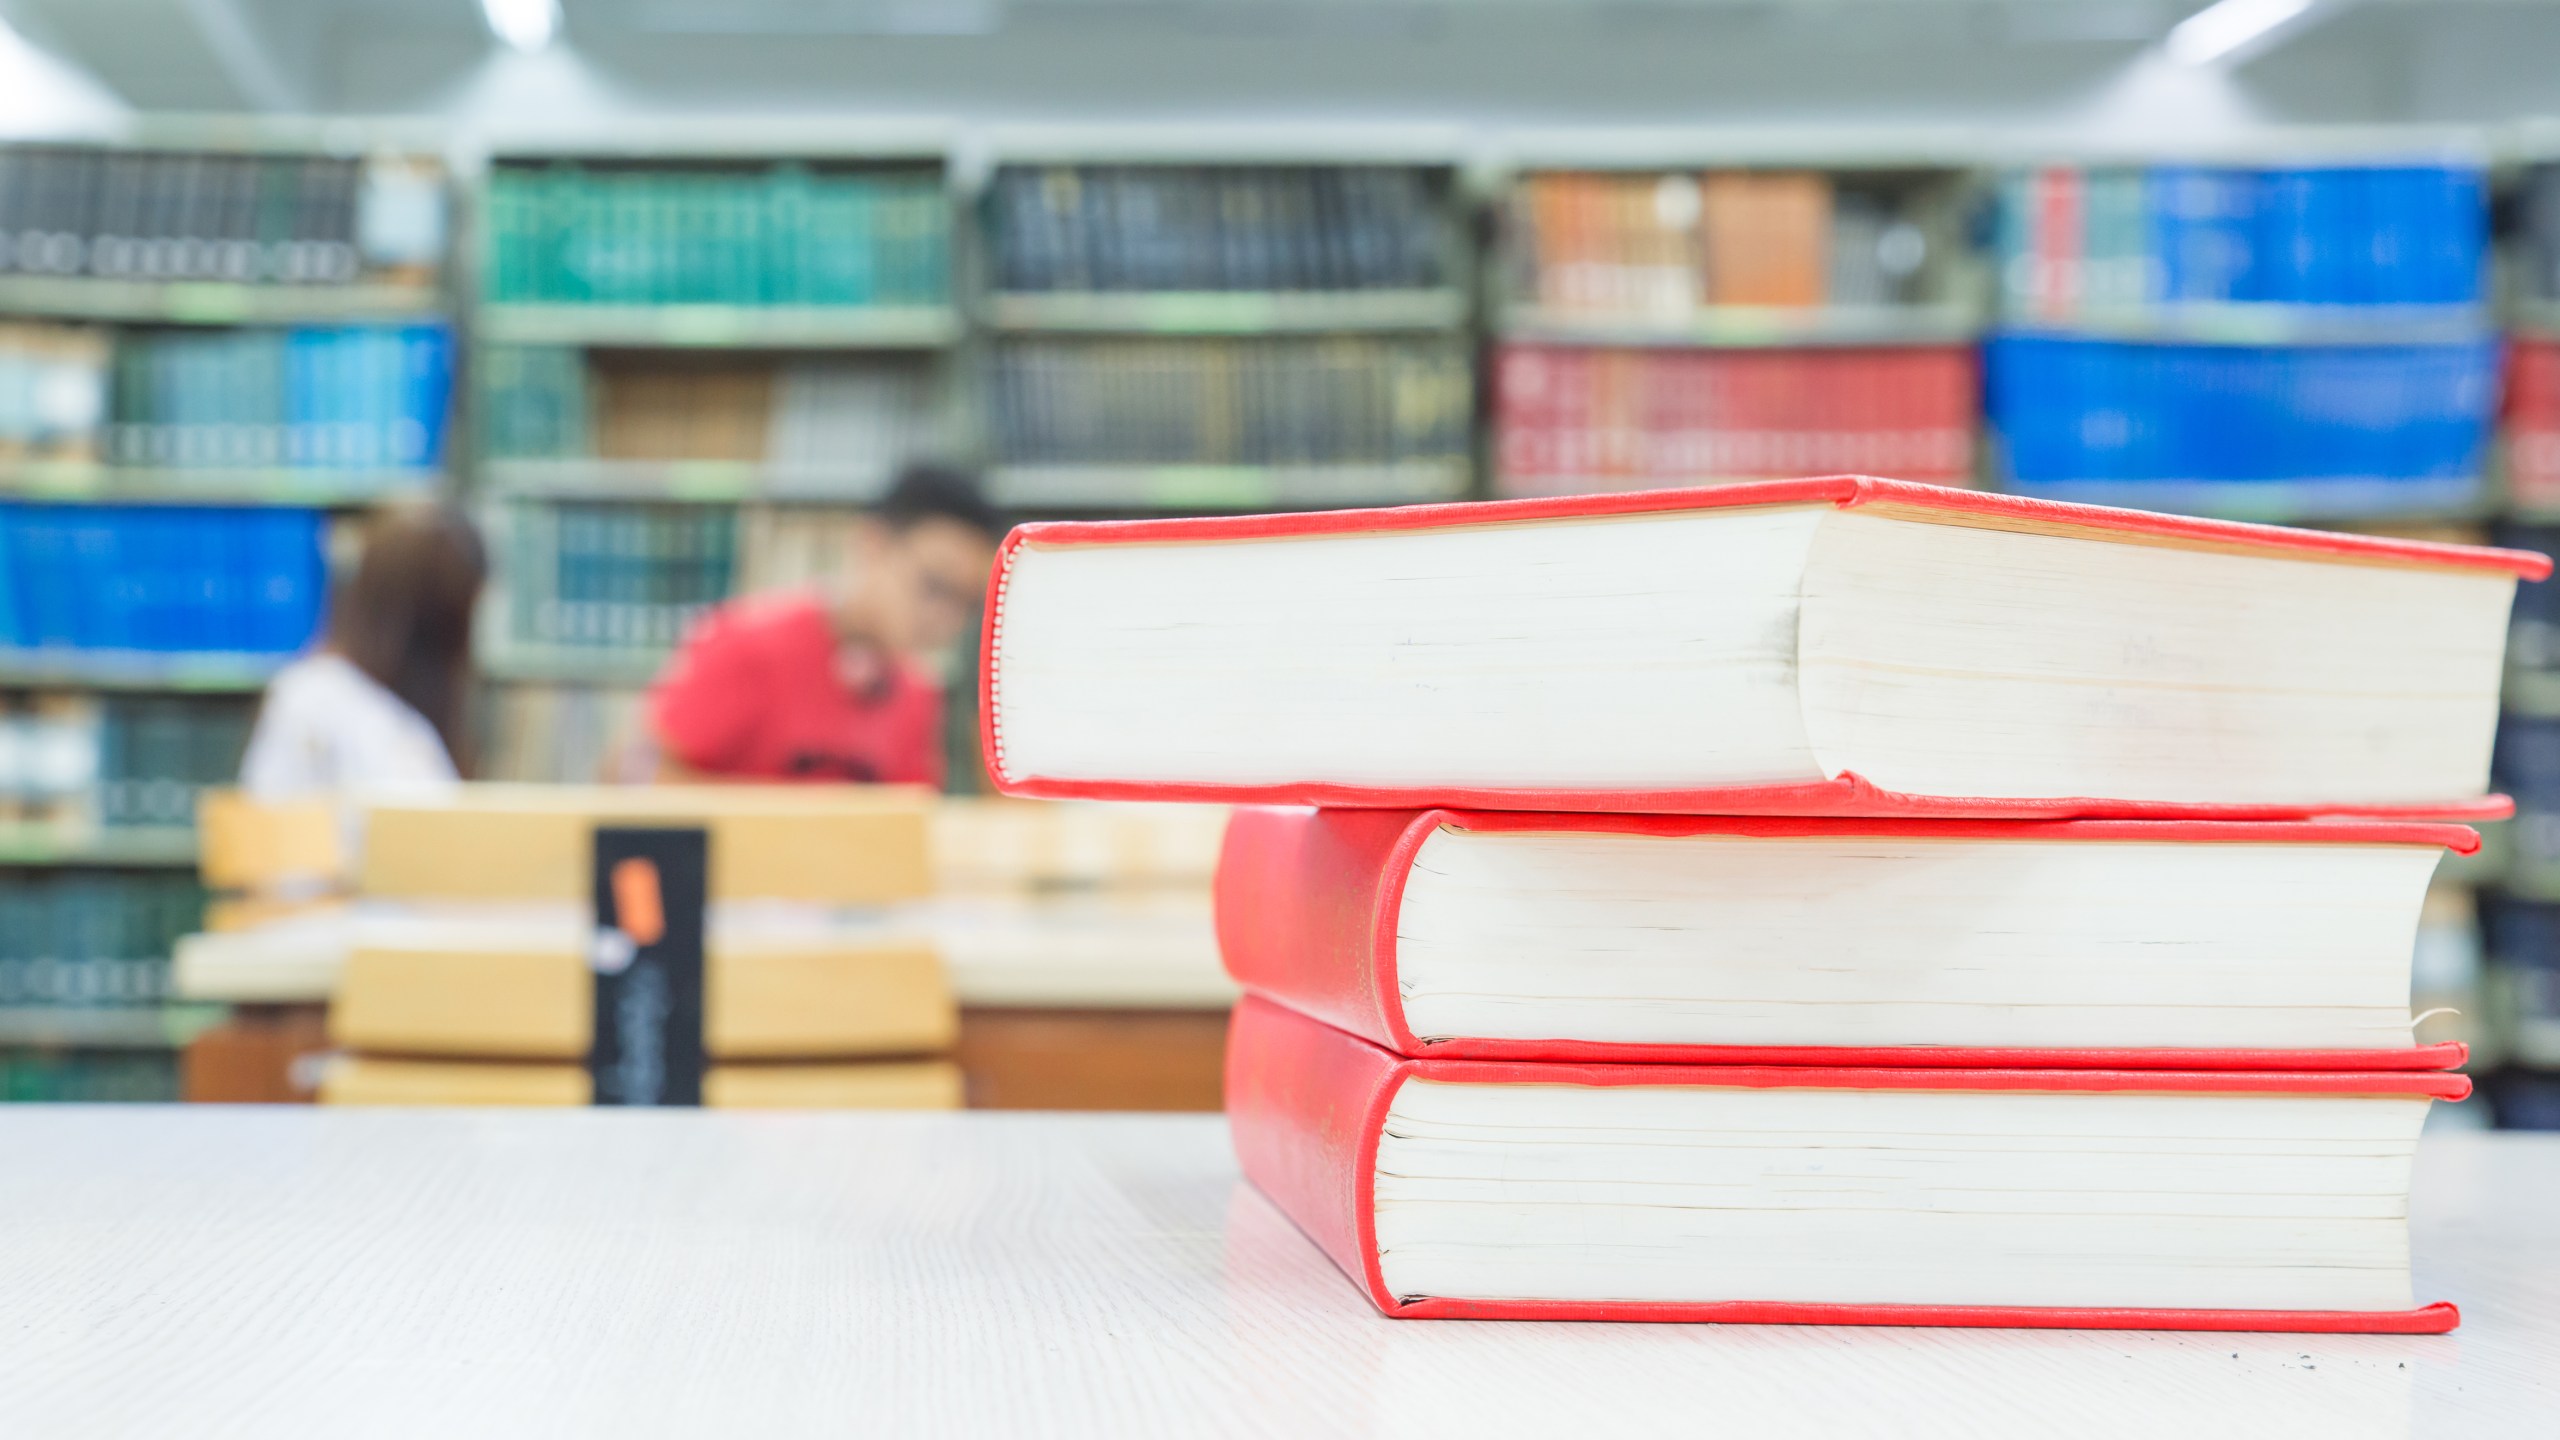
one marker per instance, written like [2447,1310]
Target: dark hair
[925,491]
[404,617]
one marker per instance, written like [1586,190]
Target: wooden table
[281,1271]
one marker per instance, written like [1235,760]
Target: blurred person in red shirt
[803,686]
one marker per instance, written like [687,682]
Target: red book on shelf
[1786,941]
[1456,1189]
[2061,249]
[1834,646]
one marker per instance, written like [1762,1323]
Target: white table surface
[206,1272]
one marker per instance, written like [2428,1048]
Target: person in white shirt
[383,702]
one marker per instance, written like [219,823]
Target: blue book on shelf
[88,574]
[426,395]
[39,565]
[302,396]
[12,629]
[2396,244]
[287,578]
[174,556]
[2202,234]
[2076,413]
[2287,248]
[214,623]
[2453,253]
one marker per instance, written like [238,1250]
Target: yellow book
[875,1085]
[831,844]
[886,997]
[366,1080]
[244,844]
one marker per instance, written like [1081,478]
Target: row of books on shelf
[161,578]
[1108,228]
[1662,244]
[239,218]
[1219,402]
[58,1077]
[787,234]
[337,397]
[116,760]
[2074,410]
[614,576]
[2074,239]
[633,575]
[547,403]
[103,937]
[1570,413]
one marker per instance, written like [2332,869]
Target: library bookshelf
[218,343]
[695,360]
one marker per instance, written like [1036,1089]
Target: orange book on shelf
[1549,197]
[1767,237]
[1564,233]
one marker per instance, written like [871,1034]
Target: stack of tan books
[470,980]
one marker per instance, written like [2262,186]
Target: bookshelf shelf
[1105,487]
[208,671]
[1212,312]
[79,480]
[737,327]
[2269,324]
[213,302]
[572,665]
[1751,326]
[703,481]
[32,844]
[2539,319]
[2282,502]
[110,1027]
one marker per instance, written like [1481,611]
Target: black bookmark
[649,894]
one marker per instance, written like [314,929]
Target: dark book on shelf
[615,577]
[1155,228]
[123,214]
[81,937]
[1262,402]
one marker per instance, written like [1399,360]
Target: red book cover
[1524,385]
[1846,793]
[1306,1104]
[2061,247]
[1308,903]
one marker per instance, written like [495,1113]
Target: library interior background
[564,333]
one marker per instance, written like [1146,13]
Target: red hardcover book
[1659,642]
[1312,911]
[1310,1108]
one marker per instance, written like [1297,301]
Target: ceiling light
[2217,31]
[527,25]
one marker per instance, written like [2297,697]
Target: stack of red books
[1836,901]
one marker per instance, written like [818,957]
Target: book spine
[1306,902]
[1305,1103]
